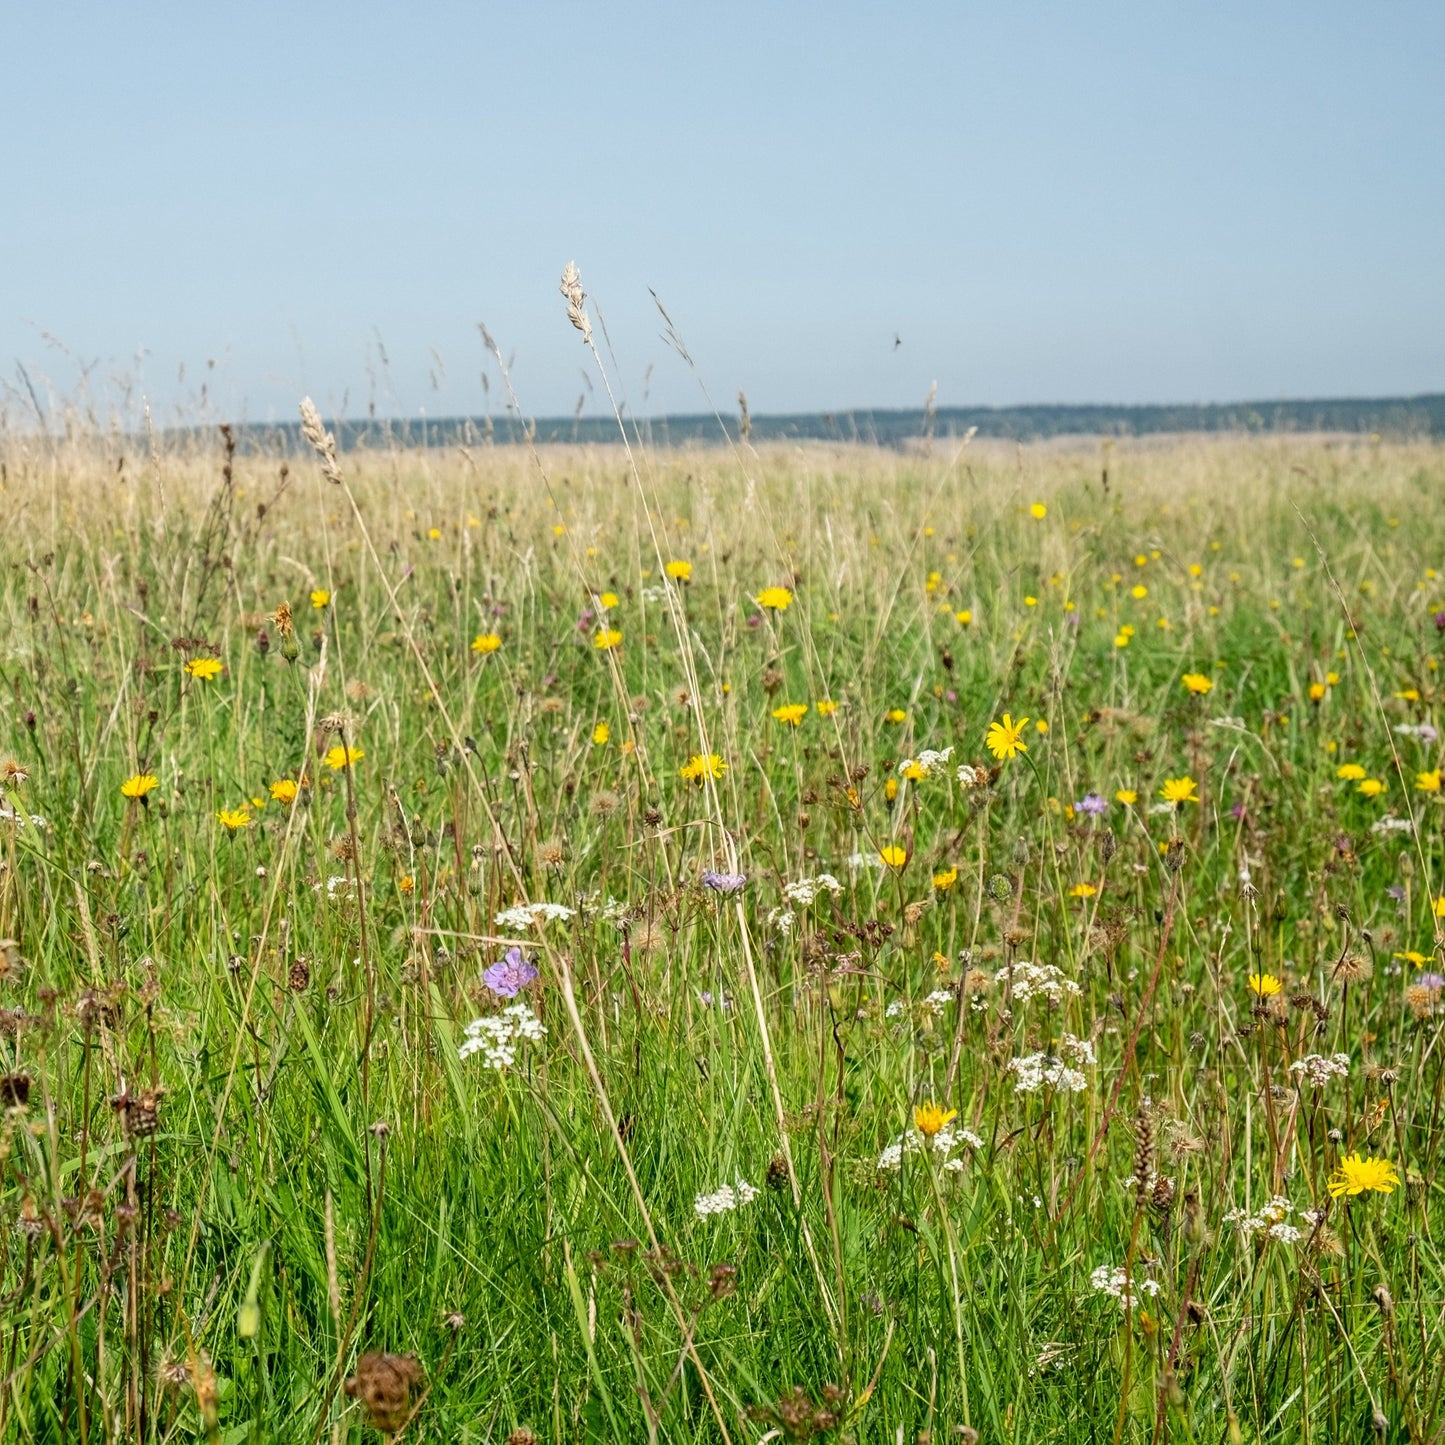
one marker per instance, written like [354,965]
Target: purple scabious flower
[1431,980]
[1092,804]
[724,882]
[510,975]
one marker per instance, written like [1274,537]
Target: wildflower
[510,975]
[283,790]
[964,618]
[895,715]
[775,599]
[1127,796]
[606,600]
[1038,511]
[1355,1175]
[945,878]
[725,1199]
[971,777]
[531,915]
[790,713]
[1082,890]
[805,890]
[1036,979]
[320,598]
[1266,985]
[1320,1070]
[1439,906]
[339,757]
[486,642]
[139,786]
[1179,790]
[931,1117]
[1428,782]
[234,818]
[1005,739]
[1317,691]
[700,766]
[826,708]
[724,883]
[600,735]
[1032,1071]
[893,855]
[1198,683]
[1370,787]
[1350,772]
[497,1036]
[679,571]
[1091,804]
[205,668]
[606,639]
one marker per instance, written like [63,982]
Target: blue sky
[1103,202]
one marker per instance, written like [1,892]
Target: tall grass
[252,1188]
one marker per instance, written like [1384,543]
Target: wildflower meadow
[518,943]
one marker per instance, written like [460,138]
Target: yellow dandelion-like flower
[679,571]
[1038,511]
[895,715]
[1370,787]
[234,818]
[1265,984]
[790,713]
[205,668]
[1317,691]
[1005,738]
[320,598]
[606,600]
[945,878]
[1350,772]
[1355,1175]
[601,735]
[893,855]
[1180,790]
[890,788]
[775,599]
[486,642]
[139,785]
[915,772]
[701,766]
[1127,796]
[826,708]
[1197,683]
[283,790]
[607,638]
[339,757]
[964,618]
[1428,782]
[1082,890]
[931,1117]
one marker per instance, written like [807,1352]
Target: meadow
[797,943]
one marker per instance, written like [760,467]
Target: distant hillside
[1395,417]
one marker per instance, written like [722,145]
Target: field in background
[318,1125]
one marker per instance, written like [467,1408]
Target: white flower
[971,777]
[944,1143]
[533,915]
[1320,1070]
[497,1035]
[1114,1280]
[1391,824]
[1037,978]
[926,761]
[727,1198]
[1270,1221]
[805,890]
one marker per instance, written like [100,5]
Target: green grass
[327,1178]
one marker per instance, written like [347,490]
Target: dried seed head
[383,1384]
[1353,968]
[320,440]
[571,289]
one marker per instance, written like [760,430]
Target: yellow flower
[963,618]
[775,599]
[893,855]
[1139,591]
[1041,727]
[1038,511]
[1265,984]
[1005,739]
[284,790]
[1197,682]
[206,668]
[890,789]
[559,530]
[1439,907]
[234,818]
[320,598]
[700,766]
[1428,782]
[1355,1175]
[606,600]
[1121,639]
[895,715]
[914,772]
[435,533]
[1127,796]
[340,757]
[790,713]
[1317,691]
[1350,772]
[826,708]
[607,638]
[1411,956]
[139,785]
[679,571]
[406,884]
[945,878]
[1082,890]
[600,735]
[1370,787]
[485,642]
[1179,790]
[931,1117]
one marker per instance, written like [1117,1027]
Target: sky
[217,209]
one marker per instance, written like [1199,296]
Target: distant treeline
[1394,417]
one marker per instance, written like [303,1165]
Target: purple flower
[1092,804]
[1431,980]
[1426,733]
[1440,622]
[724,882]
[510,975]
[1396,892]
